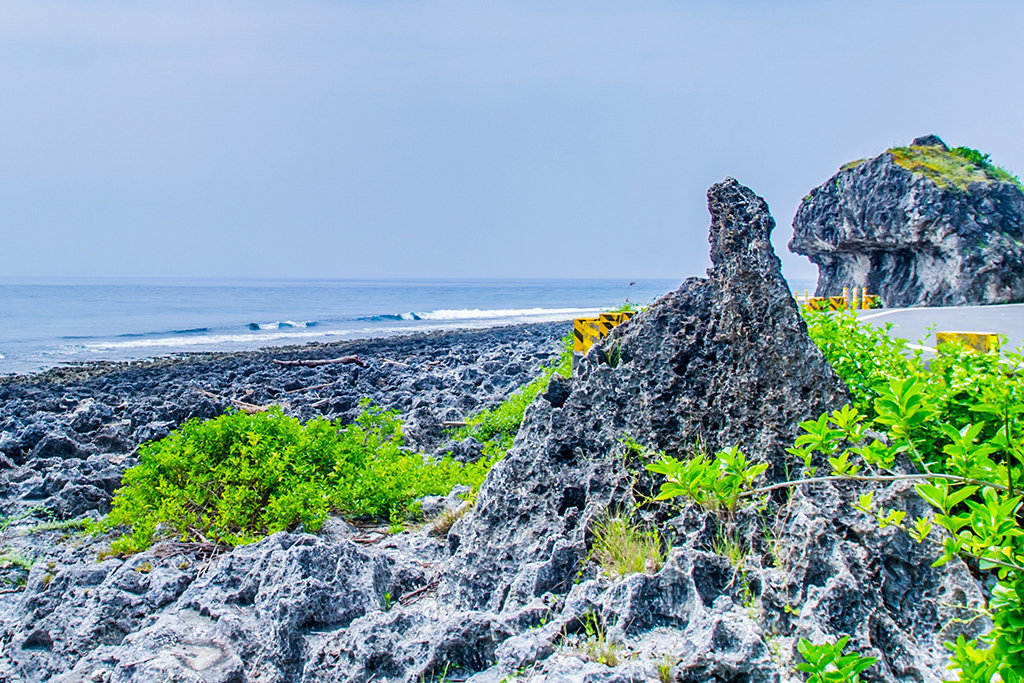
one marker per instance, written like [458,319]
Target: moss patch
[955,168]
[850,165]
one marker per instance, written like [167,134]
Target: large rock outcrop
[724,360]
[508,594]
[918,225]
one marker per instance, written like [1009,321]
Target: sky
[391,138]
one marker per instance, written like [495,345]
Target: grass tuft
[729,547]
[598,646]
[666,669]
[80,524]
[443,523]
[622,548]
[12,558]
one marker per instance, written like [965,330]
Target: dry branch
[412,596]
[302,389]
[345,360]
[241,405]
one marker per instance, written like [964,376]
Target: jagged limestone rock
[918,225]
[724,360]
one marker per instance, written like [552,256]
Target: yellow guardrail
[587,331]
[982,342]
[863,300]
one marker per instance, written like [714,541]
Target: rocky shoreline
[508,592]
[67,433]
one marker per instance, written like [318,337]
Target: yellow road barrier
[837,303]
[982,342]
[587,331]
[817,303]
[859,299]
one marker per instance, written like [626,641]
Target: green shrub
[982,161]
[826,663]
[954,385]
[239,477]
[959,420]
[863,355]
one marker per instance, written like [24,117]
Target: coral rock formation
[510,592]
[919,225]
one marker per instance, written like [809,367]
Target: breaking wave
[279,325]
[482,314]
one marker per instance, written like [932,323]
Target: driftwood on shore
[241,405]
[345,360]
[303,389]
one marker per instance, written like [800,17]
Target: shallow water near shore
[44,323]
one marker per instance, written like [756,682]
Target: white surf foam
[492,314]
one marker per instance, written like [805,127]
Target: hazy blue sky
[386,138]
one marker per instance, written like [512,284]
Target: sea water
[44,323]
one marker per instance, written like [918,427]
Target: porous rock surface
[722,361]
[911,239]
[67,435]
[509,593]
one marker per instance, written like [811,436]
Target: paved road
[912,323]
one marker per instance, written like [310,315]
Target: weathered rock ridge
[508,593]
[918,225]
[722,361]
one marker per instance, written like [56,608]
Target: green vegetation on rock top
[957,167]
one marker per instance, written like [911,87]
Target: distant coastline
[53,323]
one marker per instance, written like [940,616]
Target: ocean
[45,323]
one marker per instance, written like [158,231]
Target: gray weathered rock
[252,612]
[913,234]
[724,360]
[510,593]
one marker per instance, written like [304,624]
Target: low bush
[958,418]
[982,160]
[239,477]
[956,387]
[826,663]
